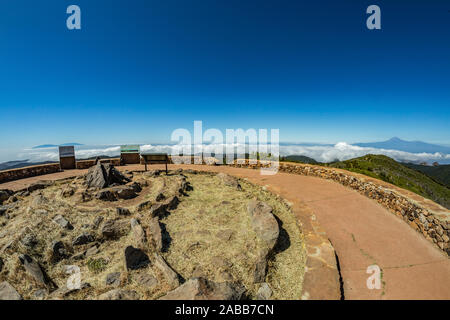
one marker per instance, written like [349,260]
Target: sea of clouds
[322,153]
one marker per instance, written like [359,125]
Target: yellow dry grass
[208,234]
[199,228]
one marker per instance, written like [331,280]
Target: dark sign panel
[66,151]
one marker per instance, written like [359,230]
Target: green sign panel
[129,149]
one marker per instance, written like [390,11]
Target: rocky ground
[148,235]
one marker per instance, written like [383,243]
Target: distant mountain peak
[396,143]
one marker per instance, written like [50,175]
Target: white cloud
[345,151]
[340,151]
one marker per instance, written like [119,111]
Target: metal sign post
[150,158]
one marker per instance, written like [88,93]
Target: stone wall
[15,174]
[85,164]
[423,215]
[38,170]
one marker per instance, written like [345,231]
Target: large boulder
[264,222]
[103,175]
[203,289]
[96,177]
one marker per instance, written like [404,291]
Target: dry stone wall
[39,170]
[15,174]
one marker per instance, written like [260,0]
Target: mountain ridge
[387,169]
[42,146]
[396,143]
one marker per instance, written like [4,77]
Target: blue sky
[140,69]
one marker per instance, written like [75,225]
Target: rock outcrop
[264,222]
[33,268]
[104,175]
[229,181]
[135,258]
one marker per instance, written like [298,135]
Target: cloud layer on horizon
[340,151]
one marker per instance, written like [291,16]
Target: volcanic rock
[124,192]
[39,185]
[264,292]
[119,294]
[146,281]
[62,222]
[103,175]
[33,268]
[263,222]
[58,250]
[113,229]
[135,258]
[138,233]
[203,289]
[123,211]
[170,275]
[5,194]
[7,292]
[84,238]
[229,181]
[155,233]
[105,195]
[113,279]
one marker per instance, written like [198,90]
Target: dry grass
[200,225]
[209,234]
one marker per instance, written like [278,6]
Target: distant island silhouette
[42,146]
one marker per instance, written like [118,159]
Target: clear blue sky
[139,69]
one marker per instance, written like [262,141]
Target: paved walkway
[362,232]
